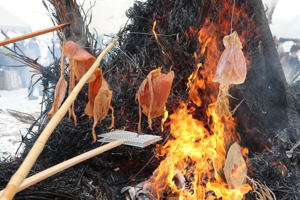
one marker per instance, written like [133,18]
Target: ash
[282,179]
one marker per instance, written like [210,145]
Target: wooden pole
[38,146]
[65,165]
[33,34]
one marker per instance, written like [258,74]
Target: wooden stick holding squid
[38,146]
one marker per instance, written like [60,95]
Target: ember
[281,168]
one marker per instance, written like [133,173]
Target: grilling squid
[99,94]
[99,104]
[80,62]
[231,69]
[60,89]
[153,94]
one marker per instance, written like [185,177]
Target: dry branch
[21,116]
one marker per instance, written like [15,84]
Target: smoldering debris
[278,169]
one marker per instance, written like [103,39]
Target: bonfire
[207,78]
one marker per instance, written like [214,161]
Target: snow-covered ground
[10,128]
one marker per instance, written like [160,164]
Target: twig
[132,178]
[232,16]
[26,61]
[158,34]
[15,66]
[21,116]
[295,77]
[262,191]
[15,45]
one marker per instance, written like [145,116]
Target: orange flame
[197,153]
[196,150]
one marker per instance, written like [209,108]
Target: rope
[232,15]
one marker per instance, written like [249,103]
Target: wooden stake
[38,146]
[66,164]
[33,34]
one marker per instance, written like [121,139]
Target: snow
[108,16]
[286,18]
[10,128]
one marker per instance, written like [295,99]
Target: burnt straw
[137,53]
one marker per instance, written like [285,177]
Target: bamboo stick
[38,146]
[33,34]
[66,164]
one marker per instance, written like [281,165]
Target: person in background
[32,50]
[22,70]
[294,62]
[293,58]
[291,64]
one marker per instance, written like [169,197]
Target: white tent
[10,23]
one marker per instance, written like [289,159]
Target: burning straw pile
[184,37]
